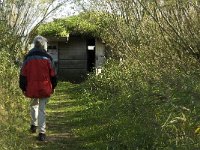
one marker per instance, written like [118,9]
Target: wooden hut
[76,56]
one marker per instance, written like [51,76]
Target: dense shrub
[13,107]
[149,99]
[142,106]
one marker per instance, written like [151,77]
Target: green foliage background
[71,25]
[144,107]
[147,96]
[13,105]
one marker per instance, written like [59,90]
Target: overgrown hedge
[13,105]
[130,106]
[149,99]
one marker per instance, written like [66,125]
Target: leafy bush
[13,106]
[142,106]
[71,25]
[150,98]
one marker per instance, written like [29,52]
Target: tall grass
[135,105]
[13,107]
[150,99]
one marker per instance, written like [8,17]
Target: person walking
[37,81]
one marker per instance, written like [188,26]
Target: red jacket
[37,76]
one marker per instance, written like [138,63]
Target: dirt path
[62,113]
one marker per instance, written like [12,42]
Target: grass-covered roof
[79,24]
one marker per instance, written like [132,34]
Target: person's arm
[22,82]
[53,75]
[54,81]
[23,74]
[23,78]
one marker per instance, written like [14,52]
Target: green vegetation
[149,99]
[141,107]
[13,107]
[147,96]
[71,25]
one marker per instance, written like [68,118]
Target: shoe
[33,129]
[41,137]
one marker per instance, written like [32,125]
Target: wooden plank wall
[100,56]
[72,59]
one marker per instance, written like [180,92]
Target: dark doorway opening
[90,54]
